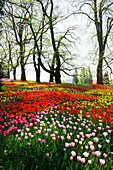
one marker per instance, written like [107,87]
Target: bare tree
[101,14]
[20,30]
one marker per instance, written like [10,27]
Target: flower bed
[57,130]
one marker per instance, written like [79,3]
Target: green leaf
[30,20]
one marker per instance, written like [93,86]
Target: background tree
[83,76]
[2,2]
[90,80]
[75,77]
[1,77]
[101,14]
[17,23]
[87,77]
[106,78]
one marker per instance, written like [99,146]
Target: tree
[1,14]
[102,16]
[87,77]
[2,2]
[1,77]
[83,76]
[48,19]
[90,81]
[17,24]
[42,27]
[75,77]
[106,78]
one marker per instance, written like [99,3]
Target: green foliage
[75,77]
[106,78]
[90,80]
[86,76]
[82,76]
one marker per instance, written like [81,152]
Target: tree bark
[14,73]
[51,74]
[8,73]
[23,75]
[52,69]
[37,69]
[38,73]
[99,72]
[57,73]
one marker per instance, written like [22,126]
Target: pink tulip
[66,145]
[26,137]
[80,142]
[93,134]
[46,134]
[107,141]
[16,135]
[76,140]
[105,134]
[89,161]
[88,135]
[99,128]
[99,146]
[68,137]
[86,147]
[98,153]
[5,124]
[19,139]
[92,147]
[109,131]
[107,127]
[105,155]
[83,160]
[90,143]
[39,139]
[56,132]
[62,137]
[73,153]
[64,131]
[74,128]
[86,154]
[28,143]
[102,161]
[72,144]
[78,158]
[47,155]
[71,158]
[78,136]
[96,139]
[43,141]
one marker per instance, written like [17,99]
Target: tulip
[28,143]
[86,154]
[47,155]
[83,160]
[102,161]
[96,139]
[73,153]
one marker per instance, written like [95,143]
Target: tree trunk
[99,70]
[38,73]
[51,74]
[57,73]
[14,73]
[8,73]
[23,75]
[37,70]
